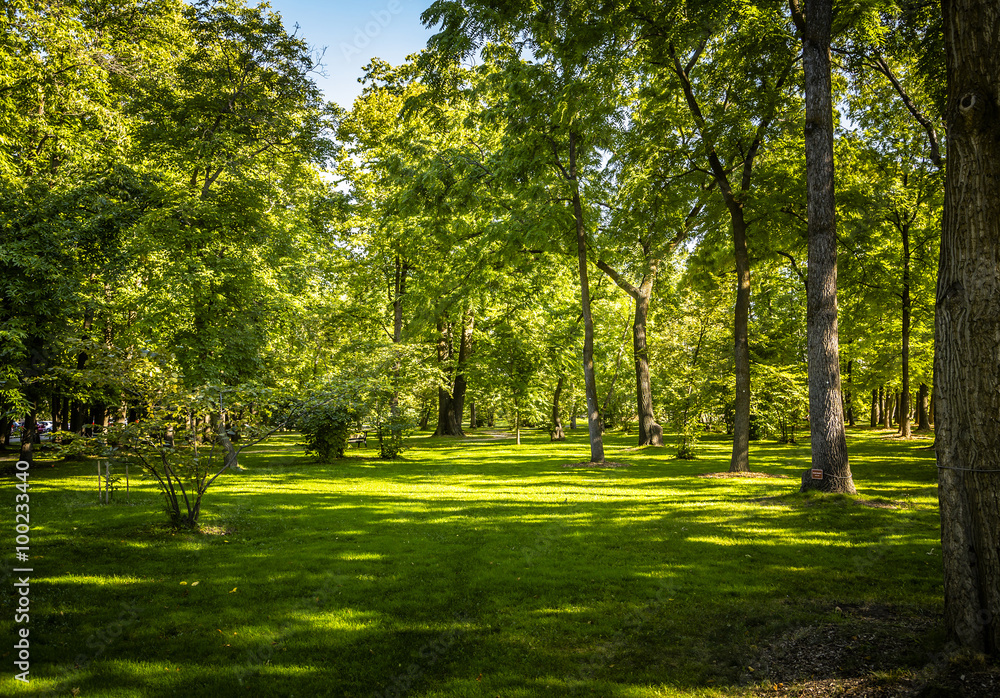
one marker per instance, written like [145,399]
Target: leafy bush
[390,437]
[326,429]
[186,442]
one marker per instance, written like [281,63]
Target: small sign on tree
[817,474]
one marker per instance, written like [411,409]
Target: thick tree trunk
[447,422]
[464,351]
[967,325]
[904,405]
[589,377]
[888,410]
[826,417]
[923,409]
[556,432]
[57,417]
[740,459]
[29,431]
[650,433]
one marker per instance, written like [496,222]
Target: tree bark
[650,433]
[904,405]
[29,430]
[740,459]
[826,417]
[923,409]
[556,432]
[589,377]
[888,410]
[446,422]
[397,289]
[464,351]
[875,413]
[472,415]
[967,325]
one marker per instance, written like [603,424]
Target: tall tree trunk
[826,417]
[740,459]
[99,414]
[556,428]
[888,410]
[904,405]
[446,425]
[650,433]
[875,413]
[923,411]
[397,289]
[57,417]
[472,414]
[29,431]
[589,377]
[967,324]
[464,352]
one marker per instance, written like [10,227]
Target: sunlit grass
[469,568]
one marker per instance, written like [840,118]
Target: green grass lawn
[479,568]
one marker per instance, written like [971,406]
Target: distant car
[44,427]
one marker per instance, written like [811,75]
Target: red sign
[817,474]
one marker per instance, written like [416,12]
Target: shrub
[326,429]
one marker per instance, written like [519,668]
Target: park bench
[360,439]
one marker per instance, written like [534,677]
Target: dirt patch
[743,475]
[872,504]
[605,464]
[877,651]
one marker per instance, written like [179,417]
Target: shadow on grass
[468,569]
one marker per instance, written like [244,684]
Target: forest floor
[480,568]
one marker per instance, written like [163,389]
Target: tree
[733,68]
[554,123]
[826,416]
[235,129]
[966,369]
